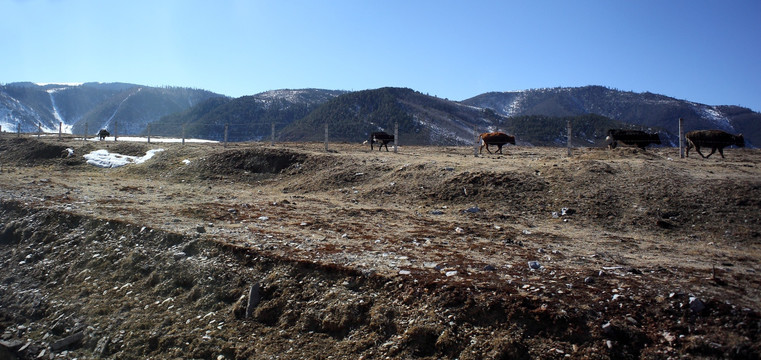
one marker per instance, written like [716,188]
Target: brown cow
[381,138]
[716,139]
[638,138]
[495,138]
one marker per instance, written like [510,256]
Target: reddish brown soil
[424,253]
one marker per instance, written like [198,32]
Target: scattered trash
[451,273]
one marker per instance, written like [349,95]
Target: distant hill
[248,117]
[422,119]
[646,110]
[536,117]
[94,105]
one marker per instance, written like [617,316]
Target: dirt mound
[26,151]
[290,251]
[257,161]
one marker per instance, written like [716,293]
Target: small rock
[589,280]
[451,273]
[472,210]
[67,341]
[696,305]
[489,268]
[263,218]
[436,212]
[179,255]
[459,230]
[607,328]
[534,265]
[200,229]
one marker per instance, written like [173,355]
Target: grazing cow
[495,138]
[715,139]
[631,137]
[381,138]
[103,133]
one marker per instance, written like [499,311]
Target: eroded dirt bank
[373,255]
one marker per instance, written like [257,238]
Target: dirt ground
[291,252]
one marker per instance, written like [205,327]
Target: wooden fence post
[272,138]
[18,129]
[60,130]
[396,136]
[149,133]
[39,129]
[326,137]
[183,134]
[116,123]
[84,135]
[568,125]
[477,143]
[681,138]
[226,127]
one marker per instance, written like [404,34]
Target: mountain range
[535,117]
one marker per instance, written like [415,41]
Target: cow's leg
[499,149]
[487,148]
[721,152]
[481,149]
[697,148]
[713,150]
[386,145]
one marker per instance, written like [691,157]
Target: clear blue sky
[703,51]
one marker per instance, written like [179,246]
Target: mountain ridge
[301,114]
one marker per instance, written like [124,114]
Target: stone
[67,341]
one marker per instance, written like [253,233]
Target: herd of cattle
[715,139]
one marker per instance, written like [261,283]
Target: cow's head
[739,141]
[655,139]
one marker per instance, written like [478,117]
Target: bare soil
[291,252]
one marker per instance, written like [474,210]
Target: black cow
[103,133]
[495,138]
[382,138]
[715,139]
[631,137]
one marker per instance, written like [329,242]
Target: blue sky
[703,51]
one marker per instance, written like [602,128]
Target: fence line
[249,136]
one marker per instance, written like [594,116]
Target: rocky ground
[290,252]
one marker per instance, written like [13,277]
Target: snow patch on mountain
[714,116]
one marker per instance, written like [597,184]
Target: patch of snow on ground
[153,139]
[104,159]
